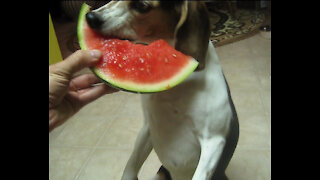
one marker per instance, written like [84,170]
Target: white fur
[117,20]
[186,125]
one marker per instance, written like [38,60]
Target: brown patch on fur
[156,24]
[193,36]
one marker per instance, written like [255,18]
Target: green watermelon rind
[82,15]
[128,85]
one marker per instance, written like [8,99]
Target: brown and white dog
[192,127]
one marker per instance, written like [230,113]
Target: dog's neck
[210,61]
[200,67]
[203,61]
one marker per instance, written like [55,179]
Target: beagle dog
[192,127]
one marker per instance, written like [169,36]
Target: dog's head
[183,24]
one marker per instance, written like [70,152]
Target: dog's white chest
[177,117]
[171,120]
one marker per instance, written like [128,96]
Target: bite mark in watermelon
[135,67]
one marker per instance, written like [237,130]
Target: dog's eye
[141,6]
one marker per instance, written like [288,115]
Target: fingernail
[95,54]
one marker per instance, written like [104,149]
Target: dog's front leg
[142,149]
[211,150]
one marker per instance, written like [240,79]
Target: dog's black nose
[93,20]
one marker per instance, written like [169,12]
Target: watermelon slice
[135,67]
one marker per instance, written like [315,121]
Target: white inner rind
[130,85]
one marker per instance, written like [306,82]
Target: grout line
[261,89]
[77,175]
[71,146]
[91,147]
[56,137]
[106,130]
[95,147]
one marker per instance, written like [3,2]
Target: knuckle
[92,77]
[82,54]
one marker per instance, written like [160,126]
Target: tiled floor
[96,143]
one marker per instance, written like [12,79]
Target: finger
[77,61]
[83,81]
[91,94]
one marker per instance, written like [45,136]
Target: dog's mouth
[134,41]
[127,39]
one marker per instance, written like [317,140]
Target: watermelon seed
[141,69]
[166,60]
[120,65]
[174,55]
[114,62]
[141,60]
[124,57]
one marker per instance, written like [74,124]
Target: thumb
[77,61]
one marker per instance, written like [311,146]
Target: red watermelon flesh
[135,67]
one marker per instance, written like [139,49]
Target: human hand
[68,94]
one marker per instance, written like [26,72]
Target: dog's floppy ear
[192,31]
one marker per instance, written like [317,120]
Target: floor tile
[125,128]
[150,167]
[122,133]
[250,164]
[255,131]
[88,125]
[105,164]
[132,105]
[64,163]
[83,132]
[104,107]
[53,135]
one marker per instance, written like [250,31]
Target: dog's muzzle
[94,20]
